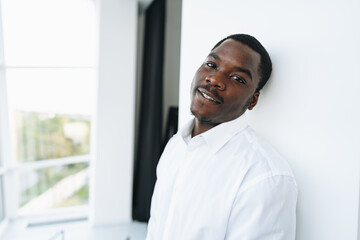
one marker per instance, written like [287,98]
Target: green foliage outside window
[48,177]
[45,136]
[41,136]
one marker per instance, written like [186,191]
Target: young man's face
[224,85]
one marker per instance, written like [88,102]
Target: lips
[209,96]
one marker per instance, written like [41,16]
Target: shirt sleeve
[264,210]
[151,227]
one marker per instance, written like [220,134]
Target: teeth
[207,97]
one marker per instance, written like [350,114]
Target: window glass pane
[54,187]
[2,207]
[70,91]
[41,136]
[51,111]
[49,32]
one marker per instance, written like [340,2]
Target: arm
[264,210]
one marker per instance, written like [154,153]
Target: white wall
[309,110]
[112,168]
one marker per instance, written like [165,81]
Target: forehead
[239,54]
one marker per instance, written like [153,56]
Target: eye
[211,65]
[239,79]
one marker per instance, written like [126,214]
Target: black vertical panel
[149,144]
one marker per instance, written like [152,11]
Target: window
[49,49]
[53,187]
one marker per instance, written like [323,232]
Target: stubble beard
[207,120]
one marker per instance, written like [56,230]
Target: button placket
[177,185]
[179,181]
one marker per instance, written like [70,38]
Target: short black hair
[265,66]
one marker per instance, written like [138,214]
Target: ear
[254,100]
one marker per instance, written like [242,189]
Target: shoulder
[267,191]
[263,162]
[174,146]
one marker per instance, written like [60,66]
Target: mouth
[208,97]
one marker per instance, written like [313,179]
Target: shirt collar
[185,131]
[217,136]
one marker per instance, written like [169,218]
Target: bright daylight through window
[49,48]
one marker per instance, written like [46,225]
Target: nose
[216,80]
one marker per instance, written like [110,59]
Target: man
[216,179]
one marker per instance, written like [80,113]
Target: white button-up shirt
[225,183]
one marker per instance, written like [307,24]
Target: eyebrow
[244,71]
[214,55]
[239,69]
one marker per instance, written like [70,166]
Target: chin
[201,118]
[204,119]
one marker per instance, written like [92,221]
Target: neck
[201,127]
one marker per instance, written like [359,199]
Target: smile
[208,97]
